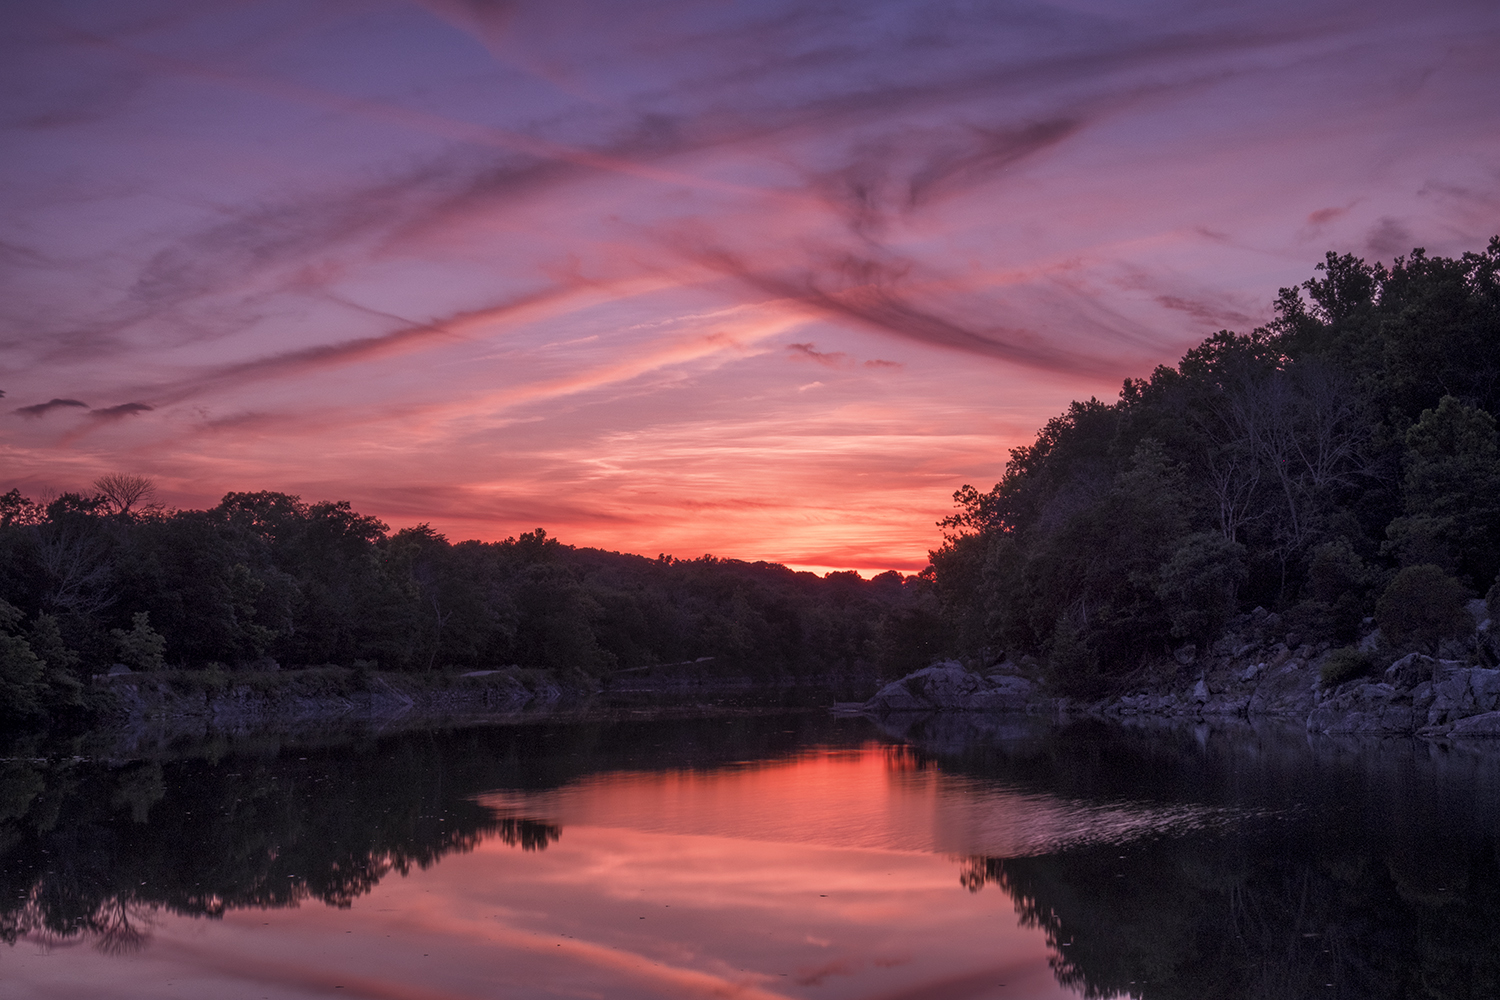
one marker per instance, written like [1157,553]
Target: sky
[767,280]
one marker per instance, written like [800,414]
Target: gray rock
[1462,692]
[1252,671]
[1411,670]
[1370,643]
[1422,697]
[1289,688]
[1485,685]
[1486,725]
[1186,654]
[948,687]
[119,669]
[1362,707]
[1200,691]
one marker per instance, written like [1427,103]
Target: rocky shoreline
[1250,673]
[142,710]
[1257,670]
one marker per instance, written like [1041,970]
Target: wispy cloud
[122,410]
[41,409]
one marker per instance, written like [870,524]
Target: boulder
[1452,700]
[1411,670]
[949,687]
[1485,685]
[1360,707]
[1287,688]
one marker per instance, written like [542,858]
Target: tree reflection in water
[1381,879]
[1356,869]
[90,849]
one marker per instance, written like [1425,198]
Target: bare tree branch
[124,492]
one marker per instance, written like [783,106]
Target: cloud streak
[42,409]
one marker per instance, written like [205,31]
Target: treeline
[265,580]
[1341,462]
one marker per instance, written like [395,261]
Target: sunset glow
[767,280]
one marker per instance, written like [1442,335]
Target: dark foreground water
[755,857]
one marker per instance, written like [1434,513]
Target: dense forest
[265,581]
[1339,464]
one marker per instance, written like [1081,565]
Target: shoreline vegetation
[1303,520]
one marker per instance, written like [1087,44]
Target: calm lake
[755,856]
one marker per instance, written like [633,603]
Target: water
[757,857]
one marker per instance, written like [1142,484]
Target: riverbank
[1255,671]
[137,711]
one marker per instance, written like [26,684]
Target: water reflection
[93,847]
[1378,878]
[768,857]
[874,796]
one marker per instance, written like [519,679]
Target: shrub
[1345,665]
[141,648]
[1422,607]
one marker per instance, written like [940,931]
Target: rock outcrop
[950,687]
[1252,672]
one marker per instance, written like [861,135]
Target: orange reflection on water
[832,874]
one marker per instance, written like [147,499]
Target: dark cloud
[867,292]
[882,363]
[989,152]
[904,172]
[122,410]
[288,364]
[1211,314]
[41,409]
